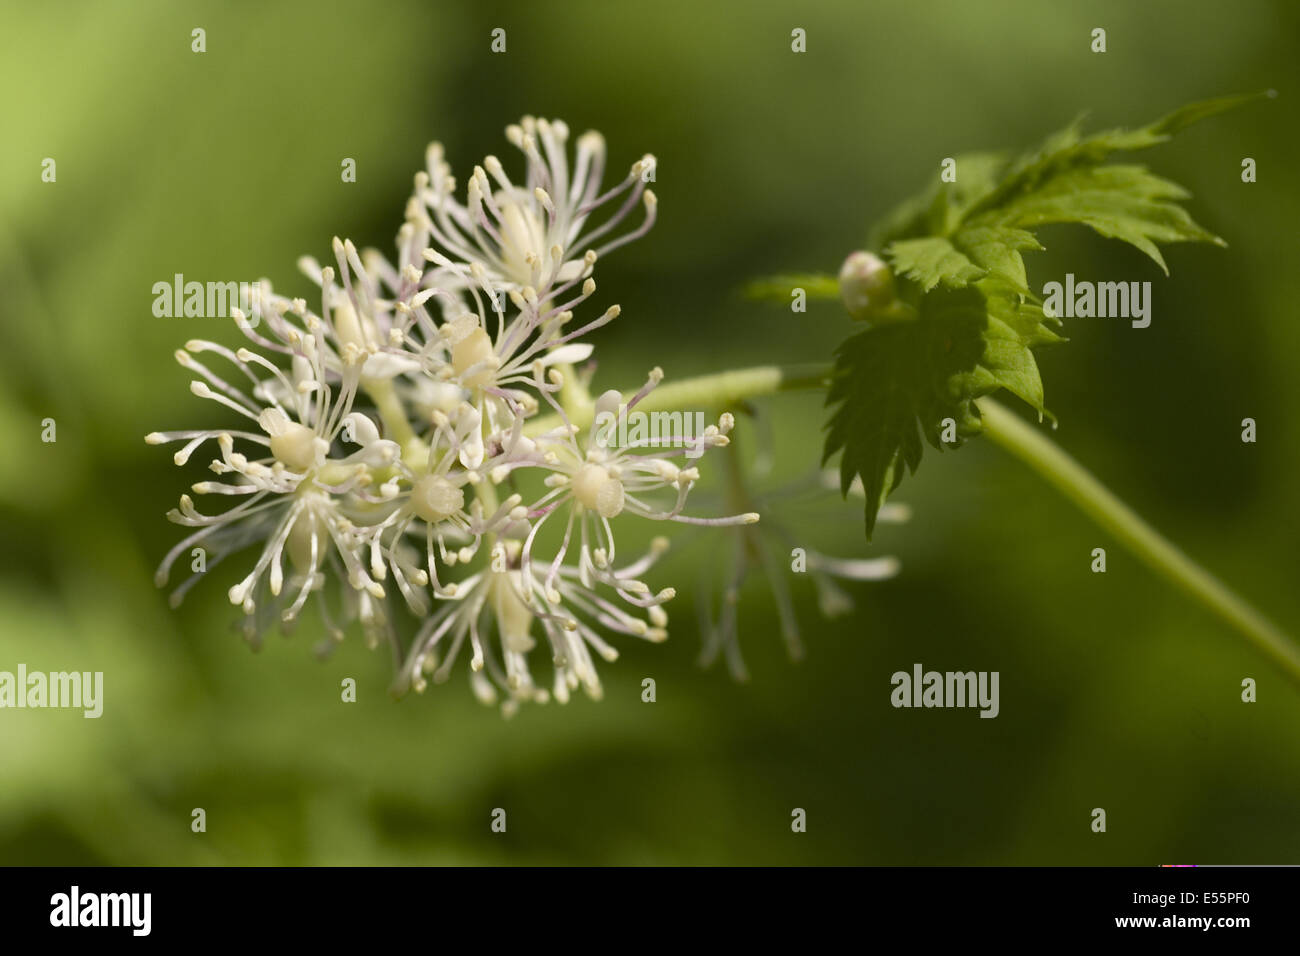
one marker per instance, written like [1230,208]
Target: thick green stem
[1098,503]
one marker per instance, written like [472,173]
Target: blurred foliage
[1115,692]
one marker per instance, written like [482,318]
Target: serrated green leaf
[930,262]
[895,383]
[1064,182]
[957,250]
[996,250]
[1120,202]
[1185,116]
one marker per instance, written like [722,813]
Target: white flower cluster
[413,438]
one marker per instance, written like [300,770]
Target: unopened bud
[866,287]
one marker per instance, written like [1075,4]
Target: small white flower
[295,495]
[501,615]
[534,233]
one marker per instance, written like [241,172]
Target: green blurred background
[1115,691]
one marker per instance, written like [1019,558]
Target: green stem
[391,412]
[706,391]
[574,397]
[1070,478]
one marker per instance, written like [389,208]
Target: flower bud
[866,287]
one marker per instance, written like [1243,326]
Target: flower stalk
[1065,474]
[716,390]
